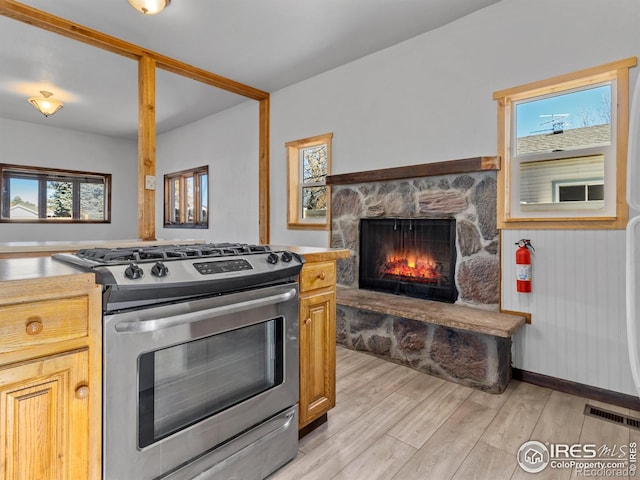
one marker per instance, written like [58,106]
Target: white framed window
[309,163]
[579,191]
[563,143]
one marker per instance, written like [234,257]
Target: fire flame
[411,267]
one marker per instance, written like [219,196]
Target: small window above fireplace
[409,256]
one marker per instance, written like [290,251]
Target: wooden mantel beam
[464,165]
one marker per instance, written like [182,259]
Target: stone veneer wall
[469,358]
[469,198]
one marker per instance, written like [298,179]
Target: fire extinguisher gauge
[525,243]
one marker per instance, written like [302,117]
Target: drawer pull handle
[34,327]
[321,276]
[82,392]
[307,321]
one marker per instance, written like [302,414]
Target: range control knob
[159,270]
[286,257]
[133,272]
[272,258]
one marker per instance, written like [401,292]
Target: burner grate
[107,256]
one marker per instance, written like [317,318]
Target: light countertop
[315,254]
[34,267]
[29,260]
[22,249]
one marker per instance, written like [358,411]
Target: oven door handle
[141,326]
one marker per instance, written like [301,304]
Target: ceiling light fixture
[149,7]
[44,104]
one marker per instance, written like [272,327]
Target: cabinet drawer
[317,275]
[31,324]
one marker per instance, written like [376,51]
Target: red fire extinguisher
[523,265]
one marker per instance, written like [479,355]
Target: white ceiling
[267,44]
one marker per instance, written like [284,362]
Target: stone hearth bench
[465,345]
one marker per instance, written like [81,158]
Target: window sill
[308,226]
[570,223]
[185,225]
[51,222]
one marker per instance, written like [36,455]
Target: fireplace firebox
[409,256]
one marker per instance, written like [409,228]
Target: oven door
[184,378]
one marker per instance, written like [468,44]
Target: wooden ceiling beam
[146,145]
[66,28]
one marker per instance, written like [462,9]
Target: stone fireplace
[468,342]
[409,256]
[468,198]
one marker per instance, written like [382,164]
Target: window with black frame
[37,194]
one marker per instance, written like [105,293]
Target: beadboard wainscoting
[578,330]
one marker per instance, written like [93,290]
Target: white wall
[578,329]
[23,143]
[228,144]
[430,99]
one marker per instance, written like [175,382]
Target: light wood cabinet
[317,333]
[50,379]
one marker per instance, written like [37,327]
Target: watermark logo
[533,456]
[584,459]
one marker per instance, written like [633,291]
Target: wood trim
[622,143]
[310,427]
[292,149]
[310,141]
[292,185]
[66,28]
[27,290]
[309,226]
[579,389]
[465,165]
[502,178]
[619,71]
[526,315]
[264,206]
[560,224]
[61,26]
[204,76]
[561,81]
[146,146]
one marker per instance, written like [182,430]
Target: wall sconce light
[44,104]
[149,7]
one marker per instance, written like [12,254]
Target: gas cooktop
[120,255]
[163,272]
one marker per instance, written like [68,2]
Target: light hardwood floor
[392,422]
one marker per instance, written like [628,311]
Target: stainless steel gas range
[200,359]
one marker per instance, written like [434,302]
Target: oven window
[186,383]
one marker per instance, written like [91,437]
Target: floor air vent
[613,417]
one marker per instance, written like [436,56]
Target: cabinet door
[317,355]
[44,418]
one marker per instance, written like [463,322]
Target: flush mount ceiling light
[44,104]
[149,7]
